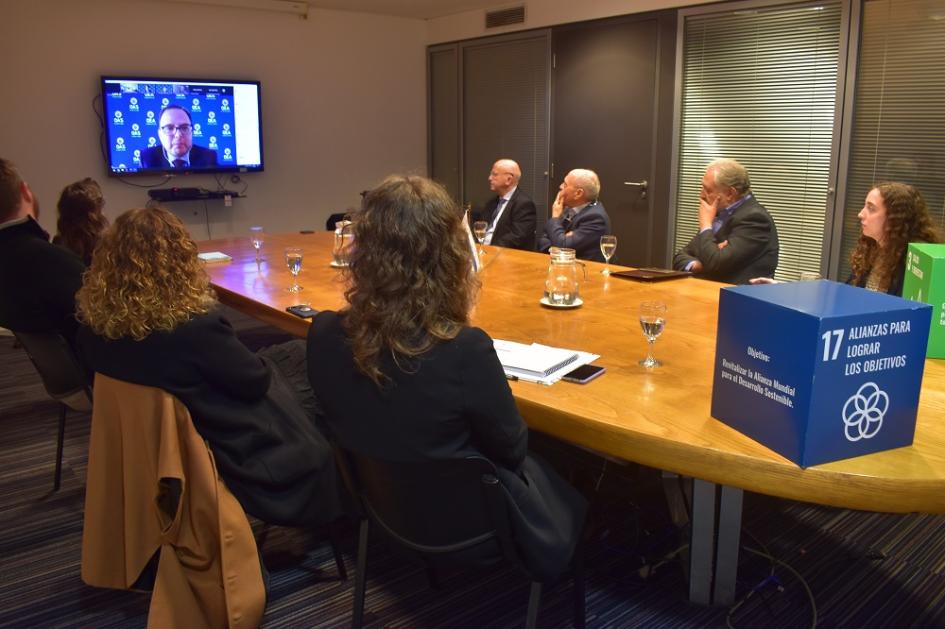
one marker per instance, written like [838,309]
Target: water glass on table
[608,245]
[652,320]
[479,231]
[256,236]
[293,260]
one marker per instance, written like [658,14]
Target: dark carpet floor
[863,570]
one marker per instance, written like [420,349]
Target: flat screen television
[176,126]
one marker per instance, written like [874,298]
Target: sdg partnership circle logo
[864,411]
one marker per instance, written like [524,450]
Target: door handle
[640,184]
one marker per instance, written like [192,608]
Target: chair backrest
[431,507]
[152,486]
[334,218]
[62,374]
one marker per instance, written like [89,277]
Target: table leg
[726,552]
[714,523]
[701,542]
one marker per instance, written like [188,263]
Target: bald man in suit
[511,214]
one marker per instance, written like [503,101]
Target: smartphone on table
[302,310]
[583,374]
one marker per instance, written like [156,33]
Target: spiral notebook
[538,363]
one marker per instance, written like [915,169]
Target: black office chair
[452,511]
[334,218]
[64,378]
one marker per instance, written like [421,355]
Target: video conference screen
[162,126]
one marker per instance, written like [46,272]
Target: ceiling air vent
[505,17]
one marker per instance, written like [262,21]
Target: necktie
[179,163]
[498,208]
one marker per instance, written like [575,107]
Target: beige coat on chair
[152,484]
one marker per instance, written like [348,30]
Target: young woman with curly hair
[893,215]
[81,221]
[148,316]
[402,376]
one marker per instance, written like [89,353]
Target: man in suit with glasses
[578,219]
[177,148]
[511,214]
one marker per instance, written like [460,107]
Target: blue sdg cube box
[819,371]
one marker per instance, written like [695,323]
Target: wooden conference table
[658,418]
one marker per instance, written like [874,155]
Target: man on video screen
[177,150]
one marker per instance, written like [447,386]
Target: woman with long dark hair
[81,220]
[893,215]
[401,375]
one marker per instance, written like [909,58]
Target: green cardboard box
[925,282]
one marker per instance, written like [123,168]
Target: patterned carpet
[863,569]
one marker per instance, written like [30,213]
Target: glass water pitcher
[562,286]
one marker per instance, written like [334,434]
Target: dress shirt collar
[726,212]
[23,225]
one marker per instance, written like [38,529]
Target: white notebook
[214,256]
[533,361]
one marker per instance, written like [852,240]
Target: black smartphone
[302,310]
[583,374]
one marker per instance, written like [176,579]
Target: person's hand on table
[763,280]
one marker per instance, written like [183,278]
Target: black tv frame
[133,78]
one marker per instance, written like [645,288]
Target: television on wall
[177,126]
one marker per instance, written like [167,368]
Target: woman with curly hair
[148,317]
[401,375]
[81,221]
[894,215]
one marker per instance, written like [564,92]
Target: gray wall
[344,100]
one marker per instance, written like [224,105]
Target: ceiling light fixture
[282,6]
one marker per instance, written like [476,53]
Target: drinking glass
[652,320]
[608,245]
[257,236]
[479,230]
[293,260]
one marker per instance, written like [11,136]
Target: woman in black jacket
[149,317]
[402,376]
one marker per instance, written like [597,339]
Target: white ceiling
[422,9]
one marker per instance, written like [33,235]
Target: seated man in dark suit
[177,148]
[38,280]
[578,219]
[737,239]
[511,215]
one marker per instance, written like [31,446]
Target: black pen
[511,377]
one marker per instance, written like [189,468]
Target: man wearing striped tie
[511,214]
[737,238]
